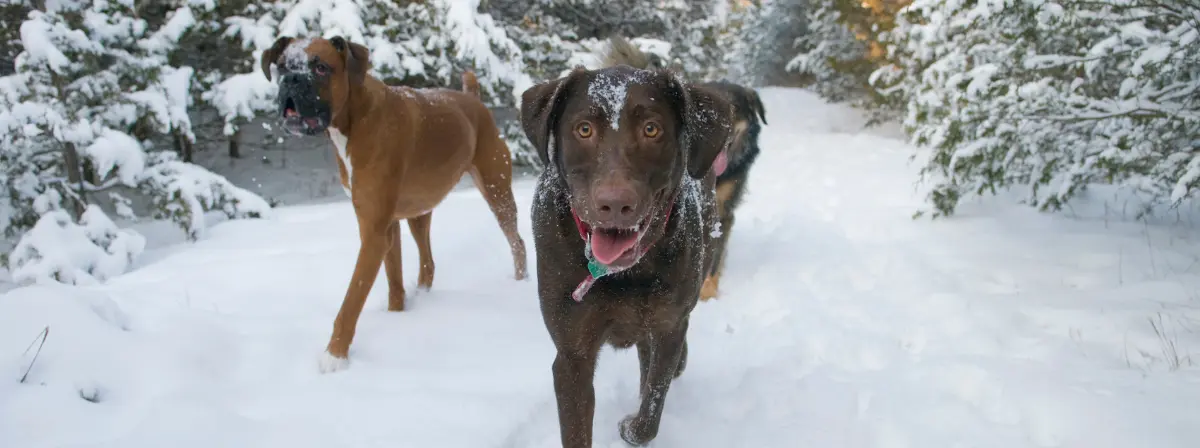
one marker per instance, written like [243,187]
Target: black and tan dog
[623,220]
[733,167]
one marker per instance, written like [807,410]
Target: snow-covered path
[843,323]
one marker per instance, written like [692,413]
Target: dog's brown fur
[405,149]
[667,185]
[748,118]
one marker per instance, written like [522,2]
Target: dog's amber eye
[321,69]
[651,130]
[584,130]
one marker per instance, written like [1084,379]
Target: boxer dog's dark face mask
[314,77]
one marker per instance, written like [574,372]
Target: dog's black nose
[291,80]
[615,203]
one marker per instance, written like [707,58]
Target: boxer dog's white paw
[328,363]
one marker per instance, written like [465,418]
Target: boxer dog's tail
[470,83]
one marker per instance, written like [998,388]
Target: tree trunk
[234,151]
[75,180]
[183,146]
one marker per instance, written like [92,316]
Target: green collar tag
[596,269]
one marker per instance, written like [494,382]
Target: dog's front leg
[573,376]
[376,237]
[665,351]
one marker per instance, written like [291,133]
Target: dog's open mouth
[296,123]
[611,246]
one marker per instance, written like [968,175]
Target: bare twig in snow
[45,333]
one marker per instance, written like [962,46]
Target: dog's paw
[636,432]
[328,363]
[397,300]
[709,290]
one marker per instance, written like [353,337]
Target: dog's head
[621,140]
[315,79]
[748,117]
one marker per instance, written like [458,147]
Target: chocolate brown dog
[400,152]
[732,166]
[623,217]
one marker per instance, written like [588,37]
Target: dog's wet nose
[291,79]
[615,202]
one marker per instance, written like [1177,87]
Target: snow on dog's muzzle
[300,108]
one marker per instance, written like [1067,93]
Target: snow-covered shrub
[694,33]
[12,13]
[843,48]
[91,86]
[187,191]
[415,43]
[830,54]
[58,249]
[1050,96]
[761,40]
[739,44]
[547,45]
[687,33]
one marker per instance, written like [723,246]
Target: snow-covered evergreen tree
[415,43]
[830,54]
[1050,96]
[90,88]
[843,48]
[758,48]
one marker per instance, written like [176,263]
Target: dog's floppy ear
[540,107]
[706,120]
[757,105]
[272,54]
[357,57]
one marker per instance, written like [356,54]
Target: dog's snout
[615,203]
[291,80]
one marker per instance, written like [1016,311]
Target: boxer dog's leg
[420,230]
[492,172]
[376,233]
[393,266]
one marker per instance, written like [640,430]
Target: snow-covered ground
[843,323]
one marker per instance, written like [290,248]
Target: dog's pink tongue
[720,164]
[607,247]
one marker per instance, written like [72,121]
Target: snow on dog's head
[620,141]
[315,77]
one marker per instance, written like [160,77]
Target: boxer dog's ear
[541,106]
[272,54]
[357,58]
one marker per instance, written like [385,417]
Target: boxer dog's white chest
[340,142]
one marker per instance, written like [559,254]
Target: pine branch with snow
[829,54]
[183,192]
[843,48]
[1051,96]
[60,250]
[419,44]
[92,86]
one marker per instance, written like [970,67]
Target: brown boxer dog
[400,152]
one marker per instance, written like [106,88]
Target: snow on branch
[59,250]
[183,192]
[1050,97]
[416,43]
[92,86]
